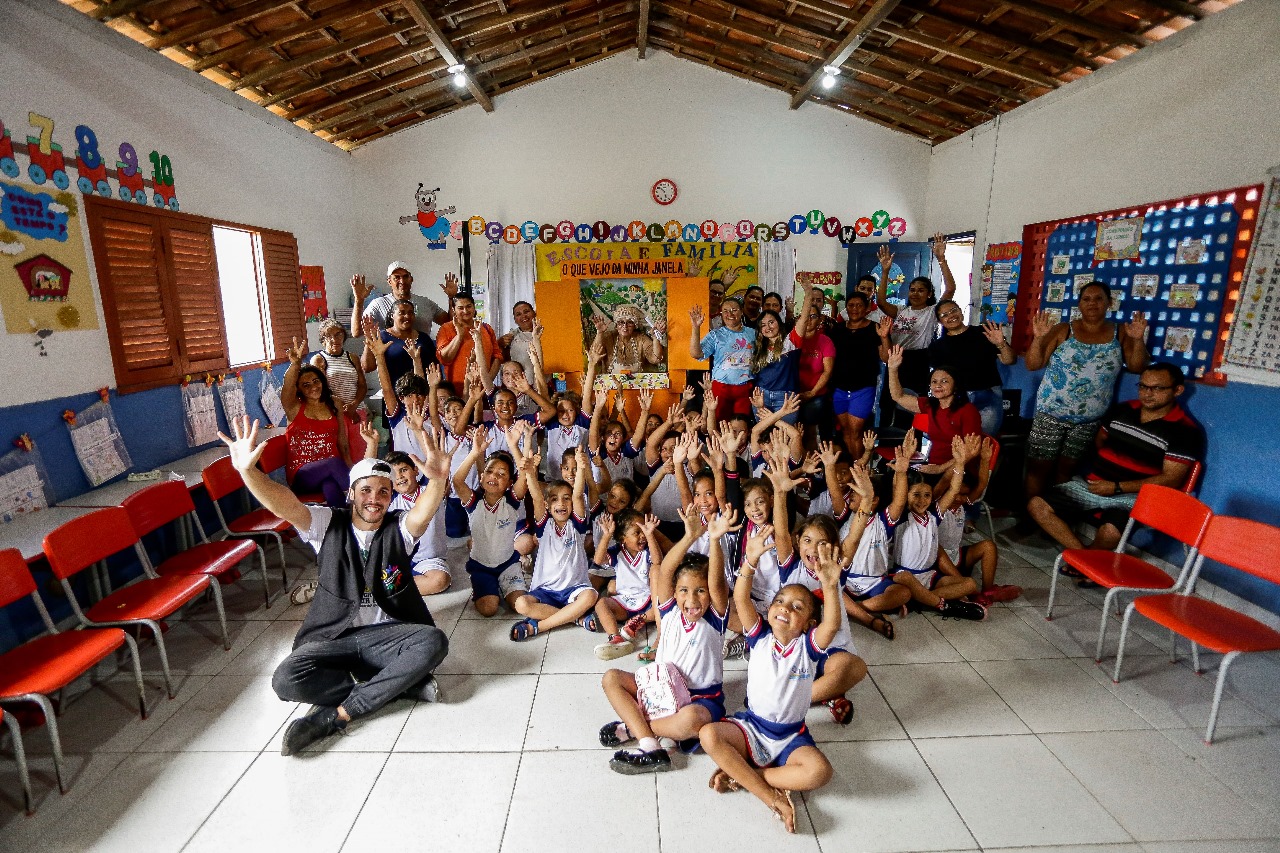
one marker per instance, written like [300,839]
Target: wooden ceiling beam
[539,48]
[366,65]
[793,68]
[523,12]
[213,26]
[564,23]
[957,100]
[1019,41]
[373,107]
[418,11]
[280,69]
[778,18]
[742,26]
[642,35]
[1077,23]
[118,9]
[977,57]
[857,34]
[373,87]
[758,60]
[947,74]
[1179,7]
[691,53]
[275,38]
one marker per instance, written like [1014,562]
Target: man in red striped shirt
[1150,440]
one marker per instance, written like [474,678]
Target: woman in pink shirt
[817,360]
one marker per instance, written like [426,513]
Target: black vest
[386,572]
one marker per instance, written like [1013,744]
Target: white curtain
[510,275]
[778,268]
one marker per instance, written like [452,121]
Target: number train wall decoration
[47,162]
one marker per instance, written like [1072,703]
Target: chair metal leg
[51,720]
[1217,693]
[1124,637]
[136,660]
[164,655]
[284,573]
[216,589]
[1195,659]
[991,522]
[1053,587]
[1106,616]
[20,756]
[266,585]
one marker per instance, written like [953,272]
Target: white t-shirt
[871,559]
[562,556]
[434,544]
[795,571]
[780,678]
[915,543]
[370,613]
[914,328]
[665,500]
[697,650]
[494,528]
[561,438]
[767,579]
[632,577]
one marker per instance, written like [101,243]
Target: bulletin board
[1185,278]
[1253,352]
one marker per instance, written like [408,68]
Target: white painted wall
[230,159]
[589,144]
[1198,111]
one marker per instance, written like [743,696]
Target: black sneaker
[305,731]
[970,610]
[632,763]
[690,746]
[609,735]
[427,691]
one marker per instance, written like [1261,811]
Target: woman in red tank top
[318,459]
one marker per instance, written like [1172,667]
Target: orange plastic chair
[82,542]
[1170,511]
[275,455]
[158,505]
[19,757]
[1251,547]
[222,479]
[43,666]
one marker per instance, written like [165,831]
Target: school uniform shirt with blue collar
[696,649]
[403,438]
[779,691]
[434,544]
[665,500]
[767,579]
[561,438]
[494,528]
[498,437]
[561,564]
[795,571]
[870,561]
[915,545]
[632,574]
[624,466]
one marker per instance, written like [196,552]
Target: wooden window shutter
[203,340]
[131,274]
[284,290]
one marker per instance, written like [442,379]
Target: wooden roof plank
[642,36]
[947,74]
[418,11]
[856,35]
[975,56]
[275,38]
[275,70]
[212,26]
[1078,23]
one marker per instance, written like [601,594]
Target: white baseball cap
[369,468]
[397,265]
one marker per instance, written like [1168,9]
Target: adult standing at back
[914,325]
[860,347]
[1083,359]
[517,343]
[399,287]
[405,342]
[970,353]
[729,349]
[460,337]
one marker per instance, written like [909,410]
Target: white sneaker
[304,592]
[617,646]
[735,647]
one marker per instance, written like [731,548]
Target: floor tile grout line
[506,820]
[365,802]
[1081,783]
[944,791]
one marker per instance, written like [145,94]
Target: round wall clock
[664,191]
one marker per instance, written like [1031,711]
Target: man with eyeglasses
[1150,440]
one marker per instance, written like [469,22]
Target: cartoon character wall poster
[430,218]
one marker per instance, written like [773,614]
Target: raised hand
[812,464]
[694,423]
[649,524]
[730,440]
[693,268]
[297,352]
[433,375]
[861,485]
[895,357]
[828,564]
[412,349]
[370,435]
[711,400]
[729,276]
[705,384]
[596,353]
[696,316]
[607,525]
[680,453]
[973,445]
[244,448]
[725,522]
[993,332]
[438,461]
[757,400]
[480,440]
[885,327]
[1043,323]
[1137,327]
[687,394]
[660,326]
[715,455]
[693,525]
[985,452]
[415,411]
[869,439]
[529,464]
[757,544]
[958,454]
[373,337]
[911,442]
[790,404]
[537,330]
[601,323]
[360,290]
[885,256]
[829,454]
[646,399]
[450,286]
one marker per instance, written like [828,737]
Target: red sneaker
[1002,592]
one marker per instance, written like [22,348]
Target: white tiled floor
[968,736]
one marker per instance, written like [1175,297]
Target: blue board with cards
[1178,266]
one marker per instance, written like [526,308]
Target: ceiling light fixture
[459,77]
[829,78]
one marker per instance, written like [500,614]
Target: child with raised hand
[662,495]
[767,749]
[617,451]
[571,427]
[869,590]
[693,601]
[952,552]
[561,590]
[636,551]
[915,548]
[496,514]
[798,558]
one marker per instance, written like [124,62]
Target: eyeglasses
[952,313]
[1142,387]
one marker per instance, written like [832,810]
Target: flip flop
[882,626]
[1069,572]
[781,814]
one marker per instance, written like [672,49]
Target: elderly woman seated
[630,345]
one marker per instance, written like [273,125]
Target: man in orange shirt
[457,340]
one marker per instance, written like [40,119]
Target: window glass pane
[241,295]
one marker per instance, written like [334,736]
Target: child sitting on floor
[915,548]
[561,590]
[767,749]
[694,601]
[952,553]
[637,549]
[617,451]
[497,517]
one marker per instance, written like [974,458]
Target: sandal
[722,783]
[647,655]
[590,622]
[841,710]
[1069,571]
[785,810]
[525,629]
[882,626]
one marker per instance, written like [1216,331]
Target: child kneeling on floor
[694,603]
[561,590]
[767,749]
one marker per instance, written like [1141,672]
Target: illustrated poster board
[1000,268]
[1253,352]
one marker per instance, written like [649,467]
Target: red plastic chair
[82,542]
[1170,511]
[41,667]
[20,757]
[1251,547]
[275,455]
[919,423]
[158,505]
[222,479]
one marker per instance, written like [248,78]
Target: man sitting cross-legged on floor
[368,638]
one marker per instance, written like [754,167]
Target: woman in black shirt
[857,370]
[971,351]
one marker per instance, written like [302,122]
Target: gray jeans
[386,660]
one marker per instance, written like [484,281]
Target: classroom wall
[1199,111]
[231,160]
[589,144]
